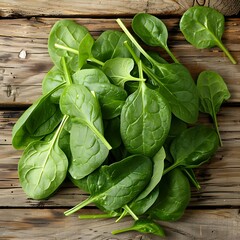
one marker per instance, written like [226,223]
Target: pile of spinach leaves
[120,122]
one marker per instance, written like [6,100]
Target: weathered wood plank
[219,178]
[228,120]
[52,224]
[20,79]
[25,8]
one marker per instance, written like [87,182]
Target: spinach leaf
[84,76]
[192,178]
[115,185]
[110,45]
[40,119]
[119,69]
[145,121]
[212,92]
[85,50]
[43,166]
[52,79]
[152,31]
[80,183]
[178,88]
[64,41]
[158,167]
[143,226]
[174,80]
[203,27]
[193,147]
[174,196]
[88,146]
[112,132]
[111,98]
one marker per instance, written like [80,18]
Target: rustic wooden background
[214,211]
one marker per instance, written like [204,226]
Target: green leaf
[203,27]
[43,167]
[212,93]
[178,88]
[145,121]
[143,226]
[88,146]
[40,119]
[111,98]
[152,31]
[85,50]
[52,79]
[158,167]
[193,147]
[64,41]
[115,185]
[110,44]
[174,196]
[119,71]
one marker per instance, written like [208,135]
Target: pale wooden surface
[214,210]
[23,8]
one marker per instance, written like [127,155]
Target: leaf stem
[225,50]
[129,210]
[217,129]
[171,54]
[78,206]
[99,135]
[176,164]
[133,40]
[122,230]
[95,216]
[66,72]
[92,59]
[72,50]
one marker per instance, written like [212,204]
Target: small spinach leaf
[152,31]
[203,27]
[110,44]
[193,147]
[143,226]
[212,93]
[64,40]
[119,69]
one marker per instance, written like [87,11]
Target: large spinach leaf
[115,185]
[88,146]
[43,166]
[174,196]
[145,121]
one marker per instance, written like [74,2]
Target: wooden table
[214,211]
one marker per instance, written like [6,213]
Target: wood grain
[25,8]
[52,224]
[219,178]
[20,79]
